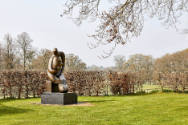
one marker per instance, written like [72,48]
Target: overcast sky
[41,19]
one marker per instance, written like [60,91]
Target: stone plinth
[58,98]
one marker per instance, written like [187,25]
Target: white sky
[41,19]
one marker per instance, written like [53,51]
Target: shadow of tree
[98,101]
[8,110]
[9,100]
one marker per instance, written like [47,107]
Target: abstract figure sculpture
[56,66]
[56,87]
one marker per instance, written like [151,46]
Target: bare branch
[125,20]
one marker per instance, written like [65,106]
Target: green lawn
[153,109]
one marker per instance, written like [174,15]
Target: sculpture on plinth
[56,87]
[55,70]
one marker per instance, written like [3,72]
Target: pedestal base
[58,98]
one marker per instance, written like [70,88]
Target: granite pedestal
[58,98]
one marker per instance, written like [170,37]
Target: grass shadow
[142,93]
[8,110]
[97,101]
[7,100]
[173,91]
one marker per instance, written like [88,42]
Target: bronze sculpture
[57,87]
[55,70]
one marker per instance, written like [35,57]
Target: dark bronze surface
[55,73]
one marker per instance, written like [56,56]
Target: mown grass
[151,109]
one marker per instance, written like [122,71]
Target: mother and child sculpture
[55,70]
[56,86]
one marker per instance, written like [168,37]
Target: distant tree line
[148,66]
[19,54]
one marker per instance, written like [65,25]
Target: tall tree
[24,43]
[141,64]
[9,52]
[119,62]
[176,62]
[73,62]
[1,57]
[30,57]
[41,61]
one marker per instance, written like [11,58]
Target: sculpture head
[55,51]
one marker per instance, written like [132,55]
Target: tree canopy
[124,19]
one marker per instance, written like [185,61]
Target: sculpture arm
[50,69]
[53,78]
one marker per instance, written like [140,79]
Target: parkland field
[148,109]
